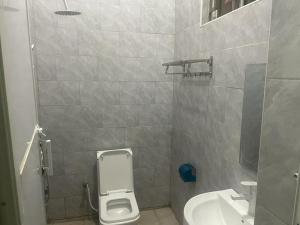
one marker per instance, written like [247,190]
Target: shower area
[101,86]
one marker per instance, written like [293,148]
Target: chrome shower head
[67,12]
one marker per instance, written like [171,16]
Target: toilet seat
[117,203]
[123,209]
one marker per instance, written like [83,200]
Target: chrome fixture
[45,161]
[46,152]
[250,197]
[67,12]
[296,212]
[186,67]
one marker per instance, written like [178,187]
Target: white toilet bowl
[117,203]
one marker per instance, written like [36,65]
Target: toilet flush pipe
[86,186]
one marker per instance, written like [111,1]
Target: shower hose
[86,186]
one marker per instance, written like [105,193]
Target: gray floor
[163,216]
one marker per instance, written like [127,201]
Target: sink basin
[217,208]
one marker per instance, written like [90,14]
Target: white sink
[217,208]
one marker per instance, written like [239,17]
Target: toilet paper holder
[187,172]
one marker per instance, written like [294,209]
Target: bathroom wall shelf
[186,67]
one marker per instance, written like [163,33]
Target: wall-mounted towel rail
[186,67]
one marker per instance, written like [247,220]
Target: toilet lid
[115,170]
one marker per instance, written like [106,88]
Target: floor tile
[163,216]
[163,212]
[166,216]
[80,222]
[90,222]
[148,217]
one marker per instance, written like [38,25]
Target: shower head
[67,12]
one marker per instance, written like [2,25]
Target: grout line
[283,78]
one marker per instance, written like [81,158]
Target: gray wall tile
[89,42]
[130,44]
[76,68]
[164,92]
[266,218]
[207,113]
[109,68]
[129,92]
[283,62]
[146,93]
[46,40]
[98,77]
[150,45]
[140,137]
[238,58]
[279,157]
[130,115]
[64,140]
[106,138]
[56,208]
[109,17]
[70,117]
[130,68]
[58,164]
[58,93]
[67,41]
[166,45]
[76,206]
[113,116]
[76,162]
[108,41]
[130,18]
[279,150]
[43,13]
[155,114]
[94,93]
[149,70]
[46,67]
[57,187]
[149,20]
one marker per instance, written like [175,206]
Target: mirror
[213,9]
[252,115]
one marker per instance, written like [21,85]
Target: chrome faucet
[250,197]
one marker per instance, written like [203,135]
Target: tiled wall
[279,154]
[207,112]
[101,86]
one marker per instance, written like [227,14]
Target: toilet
[117,203]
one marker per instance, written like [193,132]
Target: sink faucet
[250,197]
